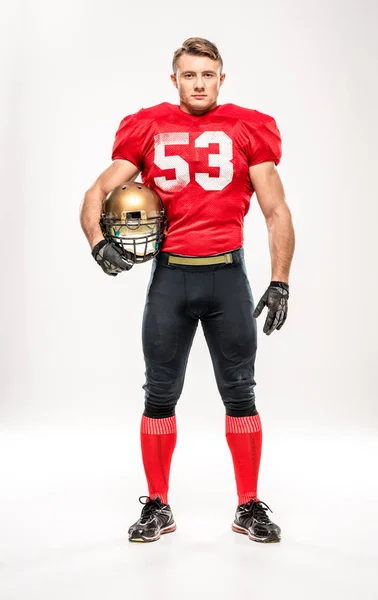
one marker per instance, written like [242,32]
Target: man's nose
[199,84]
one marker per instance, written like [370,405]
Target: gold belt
[200,260]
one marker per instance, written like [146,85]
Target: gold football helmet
[133,218]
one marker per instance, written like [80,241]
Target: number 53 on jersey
[222,160]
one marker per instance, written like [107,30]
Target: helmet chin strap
[141,247]
[147,248]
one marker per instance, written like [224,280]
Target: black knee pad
[161,397]
[158,412]
[245,408]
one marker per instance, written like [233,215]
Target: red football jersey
[199,167]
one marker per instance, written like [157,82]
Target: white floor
[69,494]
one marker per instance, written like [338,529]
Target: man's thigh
[167,335]
[231,334]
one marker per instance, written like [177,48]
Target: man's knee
[161,395]
[237,390]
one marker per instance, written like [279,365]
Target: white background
[72,363]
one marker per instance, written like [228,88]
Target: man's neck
[198,112]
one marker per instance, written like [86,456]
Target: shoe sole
[271,538]
[169,529]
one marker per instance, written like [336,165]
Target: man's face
[198,81]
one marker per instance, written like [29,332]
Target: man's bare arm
[90,212]
[271,197]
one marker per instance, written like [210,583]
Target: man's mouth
[199,95]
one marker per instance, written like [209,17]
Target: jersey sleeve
[128,143]
[264,143]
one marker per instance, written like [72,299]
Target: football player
[204,160]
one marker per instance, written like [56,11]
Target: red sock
[244,438]
[158,440]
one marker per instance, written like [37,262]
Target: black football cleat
[156,518]
[252,520]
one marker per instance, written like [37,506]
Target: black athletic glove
[110,258]
[275,298]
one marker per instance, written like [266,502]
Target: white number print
[221,160]
[171,162]
[181,167]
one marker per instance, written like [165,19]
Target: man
[205,161]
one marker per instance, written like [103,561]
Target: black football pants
[220,297]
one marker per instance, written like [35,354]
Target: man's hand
[275,298]
[111,259]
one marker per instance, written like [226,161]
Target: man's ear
[222,78]
[174,80]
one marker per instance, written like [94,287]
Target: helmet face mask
[133,218]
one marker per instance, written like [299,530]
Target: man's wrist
[95,240]
[279,284]
[97,247]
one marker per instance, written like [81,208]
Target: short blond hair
[197,47]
